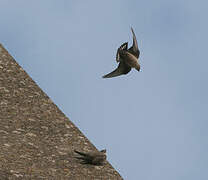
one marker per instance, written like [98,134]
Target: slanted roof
[36,139]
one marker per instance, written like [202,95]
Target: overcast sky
[153,123]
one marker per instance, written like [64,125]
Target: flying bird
[127,58]
[94,157]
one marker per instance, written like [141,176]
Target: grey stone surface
[37,140]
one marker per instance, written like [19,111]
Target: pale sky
[153,123]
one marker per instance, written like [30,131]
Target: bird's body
[94,157]
[127,58]
[130,59]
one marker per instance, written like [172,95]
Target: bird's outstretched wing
[122,68]
[134,48]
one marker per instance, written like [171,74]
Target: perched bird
[95,157]
[127,58]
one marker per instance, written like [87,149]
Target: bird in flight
[127,58]
[93,157]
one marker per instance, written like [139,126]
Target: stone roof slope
[36,139]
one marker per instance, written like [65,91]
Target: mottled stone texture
[36,139]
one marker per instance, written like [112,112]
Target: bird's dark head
[138,67]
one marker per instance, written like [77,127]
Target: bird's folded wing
[80,153]
[124,46]
[122,68]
